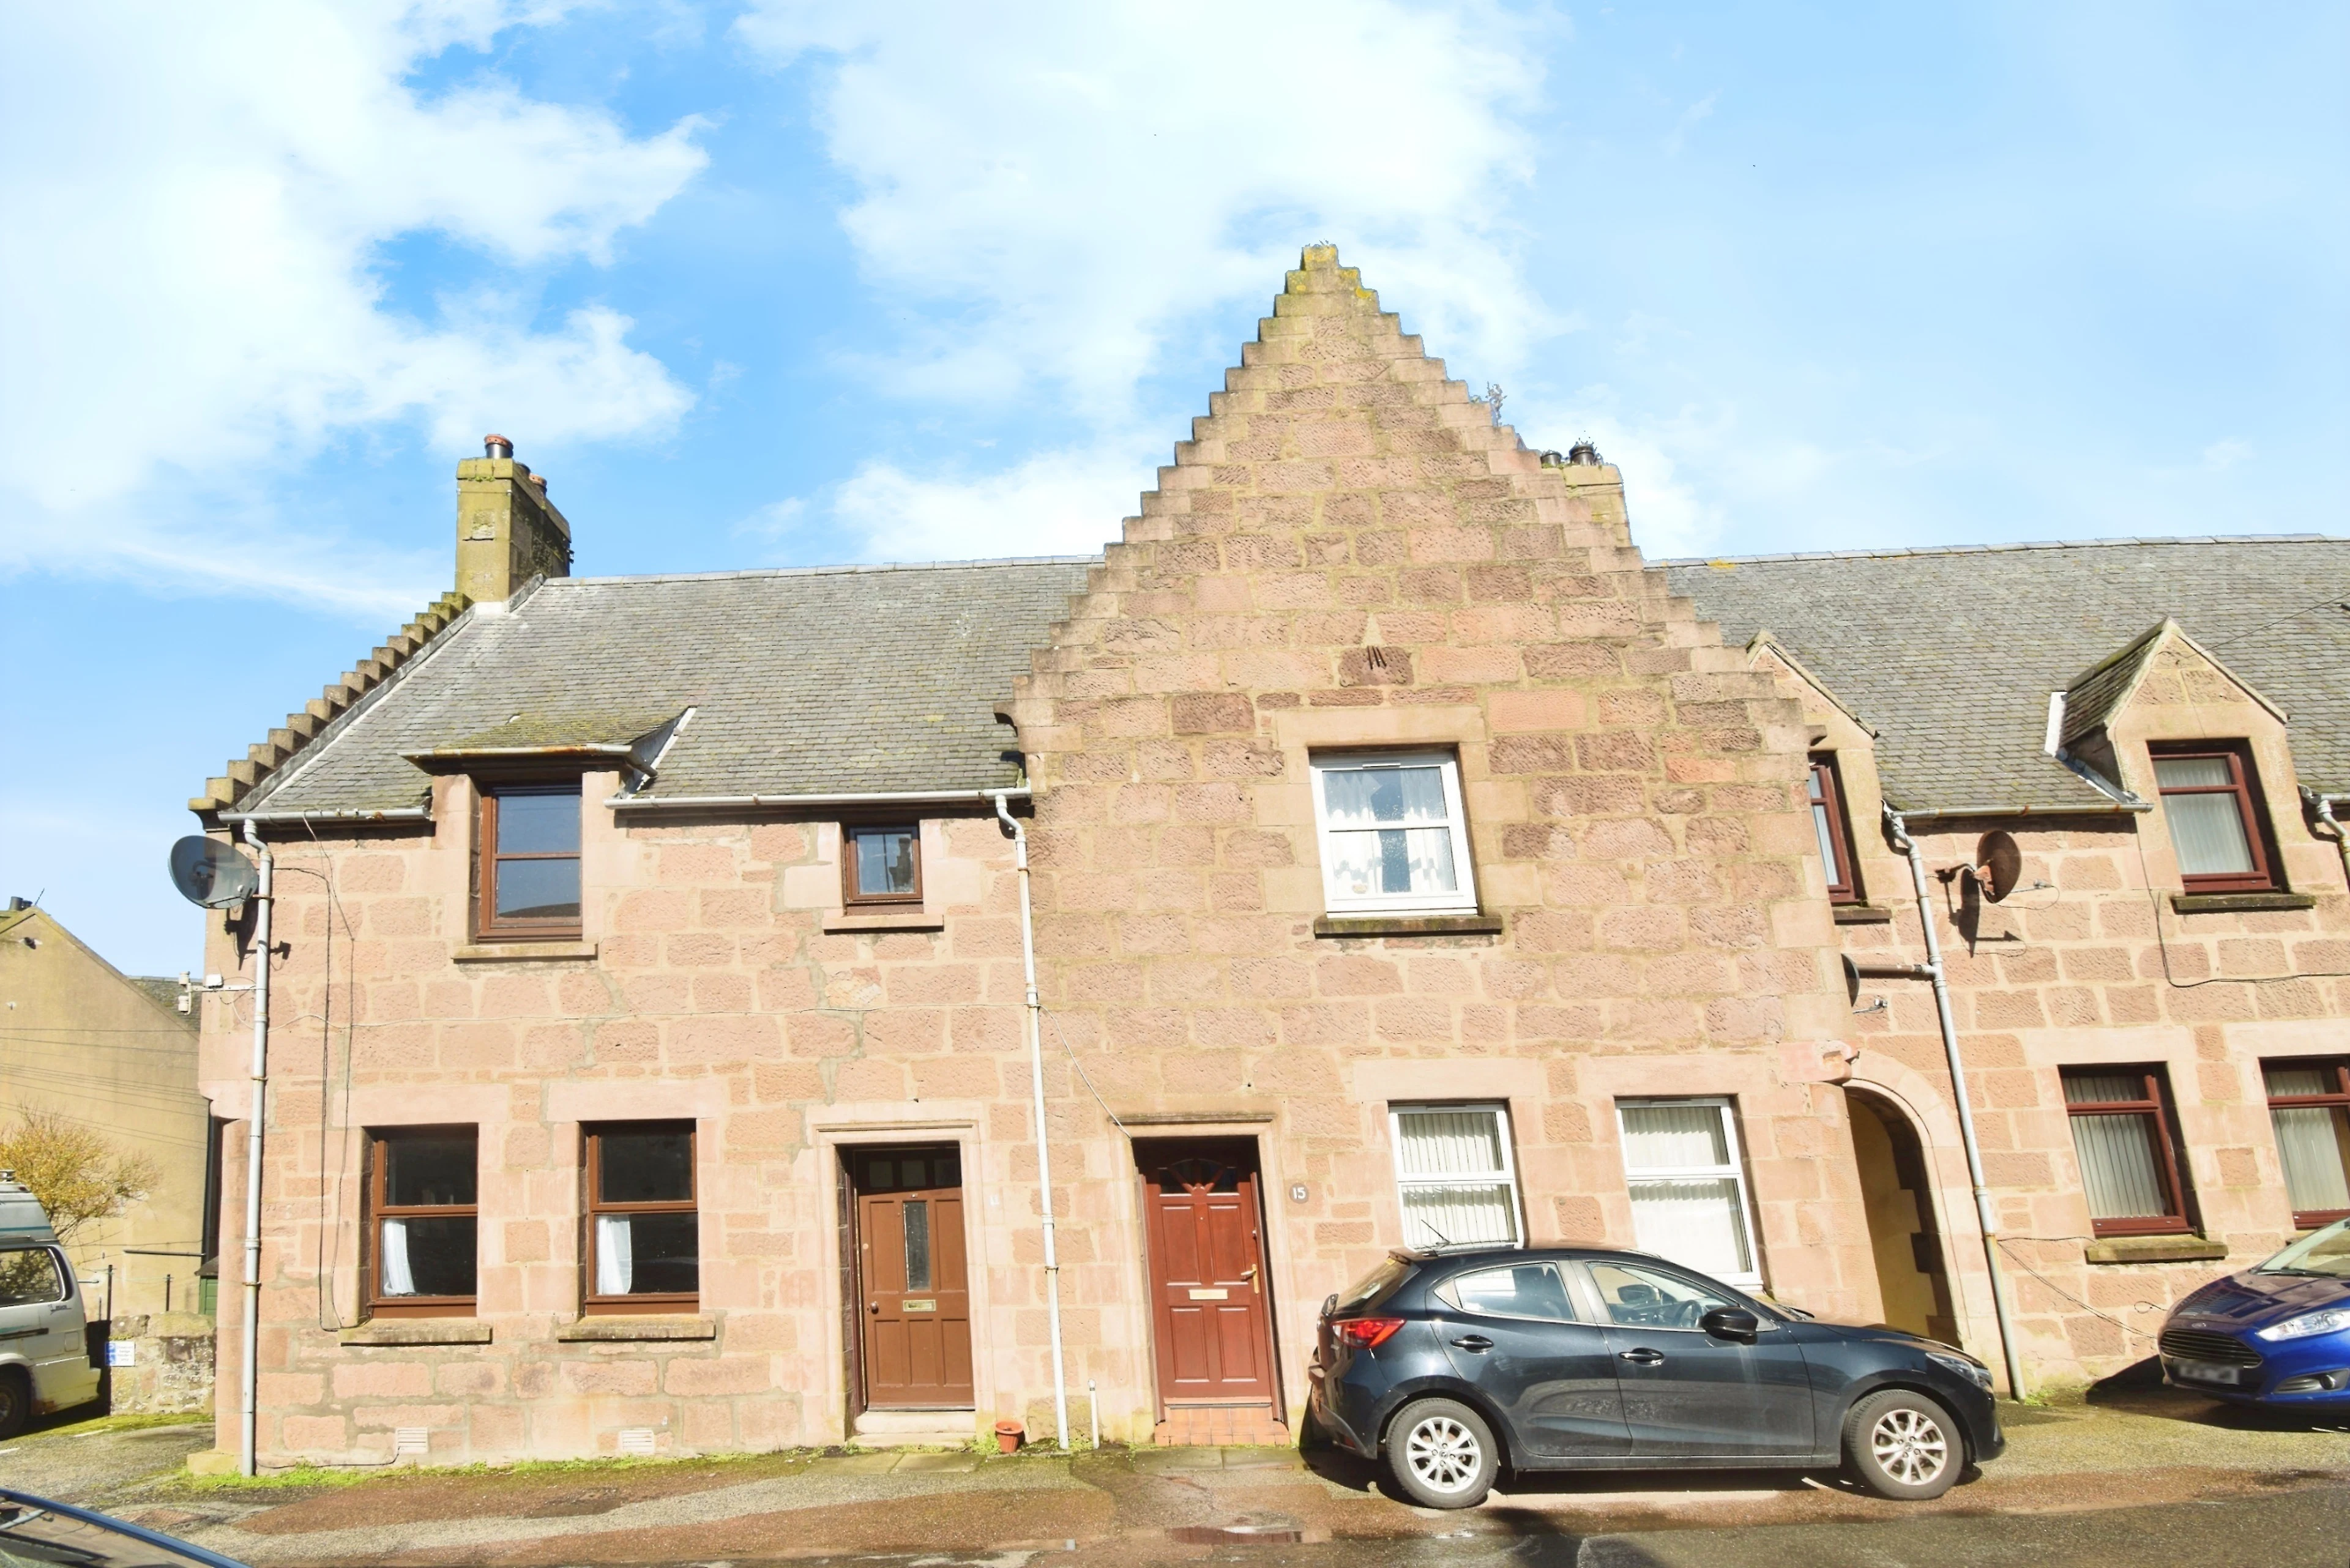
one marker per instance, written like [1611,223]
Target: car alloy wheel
[1909,1445]
[1443,1454]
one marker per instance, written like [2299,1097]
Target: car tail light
[1367,1332]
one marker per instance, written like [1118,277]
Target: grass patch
[309,1478]
[321,1477]
[123,1423]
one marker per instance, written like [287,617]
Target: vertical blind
[1696,1214]
[2207,829]
[2119,1164]
[2314,1140]
[1454,1177]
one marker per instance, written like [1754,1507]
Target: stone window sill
[523,952]
[621,1327]
[2240,903]
[2155,1250]
[1406,925]
[417,1331]
[911,919]
[1861,914]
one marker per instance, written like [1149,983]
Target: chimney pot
[496,446]
[1583,454]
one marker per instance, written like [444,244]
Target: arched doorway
[1913,1275]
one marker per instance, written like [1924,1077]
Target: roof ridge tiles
[639,579]
[1890,551]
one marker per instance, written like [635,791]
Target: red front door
[1207,1271]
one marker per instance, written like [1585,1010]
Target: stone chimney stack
[507,530]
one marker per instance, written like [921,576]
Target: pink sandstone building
[1411,864]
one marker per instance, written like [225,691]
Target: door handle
[1642,1357]
[1473,1341]
[872,1306]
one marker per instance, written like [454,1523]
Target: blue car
[2277,1336]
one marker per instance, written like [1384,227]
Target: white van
[45,1362]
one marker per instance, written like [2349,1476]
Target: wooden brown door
[1207,1273]
[912,1278]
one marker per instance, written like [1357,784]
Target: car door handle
[1473,1341]
[1642,1357]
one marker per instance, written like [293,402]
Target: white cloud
[196,195]
[1067,199]
[1052,504]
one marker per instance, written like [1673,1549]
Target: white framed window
[1688,1183]
[1456,1176]
[1392,833]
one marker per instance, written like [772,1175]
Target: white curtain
[2117,1166]
[1455,1214]
[396,1279]
[1362,797]
[2208,830]
[1696,1223]
[1674,1137]
[616,1267]
[2312,1140]
[1449,1143]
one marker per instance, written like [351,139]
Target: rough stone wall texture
[171,1370]
[1349,552]
[2089,964]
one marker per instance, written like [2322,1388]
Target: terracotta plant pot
[1007,1437]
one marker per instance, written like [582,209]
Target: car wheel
[1441,1454]
[15,1402]
[1904,1445]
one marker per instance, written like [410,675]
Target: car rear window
[1392,1273]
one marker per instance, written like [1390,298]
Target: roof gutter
[763,801]
[2321,806]
[386,813]
[2106,808]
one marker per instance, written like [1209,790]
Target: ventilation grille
[635,1439]
[2226,1349]
[409,1441]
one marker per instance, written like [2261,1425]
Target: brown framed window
[528,881]
[2211,805]
[644,1230]
[880,865]
[2132,1169]
[1833,828]
[2309,1105]
[421,1221]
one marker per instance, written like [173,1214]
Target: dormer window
[2210,805]
[1832,827]
[1394,837]
[528,884]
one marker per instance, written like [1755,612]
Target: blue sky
[772,284]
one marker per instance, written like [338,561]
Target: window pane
[1361,796]
[647,1254]
[2118,1167]
[2315,1143]
[29,1275]
[1393,861]
[645,1167]
[1448,1143]
[2209,833]
[1650,1298]
[429,1170]
[538,890]
[1699,1223]
[918,1245]
[885,862]
[1826,836]
[1456,1214]
[2284,1081]
[2094,1088]
[427,1256]
[1523,1290]
[1674,1137]
[540,824]
[2193,772]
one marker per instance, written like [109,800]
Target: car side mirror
[1732,1323]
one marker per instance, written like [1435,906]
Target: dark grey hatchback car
[1450,1366]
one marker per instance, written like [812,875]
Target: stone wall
[169,1369]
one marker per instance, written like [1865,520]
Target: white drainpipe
[1984,1212]
[1044,1154]
[265,899]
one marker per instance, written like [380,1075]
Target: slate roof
[836,680]
[1951,654]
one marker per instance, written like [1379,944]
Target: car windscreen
[1392,1272]
[35,1536]
[2325,1251]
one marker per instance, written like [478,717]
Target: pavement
[2148,1474]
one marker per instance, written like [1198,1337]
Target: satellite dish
[210,873]
[1999,865]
